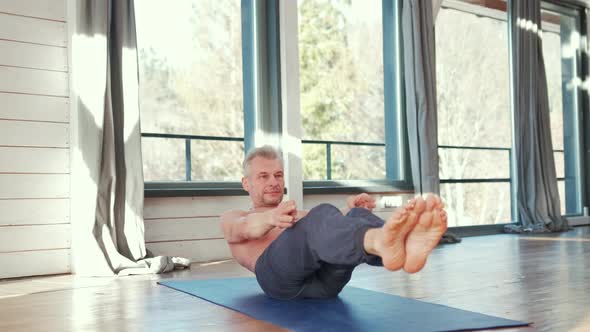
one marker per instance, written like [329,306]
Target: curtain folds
[537,194]
[107,169]
[420,93]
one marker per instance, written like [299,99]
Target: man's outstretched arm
[240,226]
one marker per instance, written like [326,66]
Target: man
[298,254]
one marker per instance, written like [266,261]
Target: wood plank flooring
[540,278]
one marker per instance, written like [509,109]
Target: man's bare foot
[389,241]
[426,234]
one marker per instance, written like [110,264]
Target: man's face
[265,182]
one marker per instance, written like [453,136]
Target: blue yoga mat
[354,309]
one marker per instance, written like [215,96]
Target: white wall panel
[32,263]
[196,251]
[34,186]
[33,81]
[38,237]
[34,211]
[32,30]
[33,56]
[33,134]
[47,9]
[30,107]
[182,229]
[175,207]
[34,160]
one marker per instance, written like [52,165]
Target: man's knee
[324,210]
[358,212]
[365,216]
[317,216]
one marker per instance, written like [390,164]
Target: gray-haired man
[299,254]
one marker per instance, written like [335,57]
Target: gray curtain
[420,92]
[419,60]
[107,171]
[436,4]
[537,194]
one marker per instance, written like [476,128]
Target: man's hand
[240,226]
[362,201]
[284,215]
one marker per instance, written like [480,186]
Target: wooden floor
[540,278]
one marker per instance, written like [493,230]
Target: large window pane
[341,78]
[358,162]
[561,48]
[552,56]
[473,87]
[163,159]
[224,167]
[315,161]
[559,164]
[561,189]
[471,204]
[472,73]
[190,68]
[474,163]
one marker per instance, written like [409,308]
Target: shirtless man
[311,254]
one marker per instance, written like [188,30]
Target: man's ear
[245,183]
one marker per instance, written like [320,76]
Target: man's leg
[366,216]
[330,279]
[323,237]
[327,282]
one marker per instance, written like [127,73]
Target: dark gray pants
[315,258]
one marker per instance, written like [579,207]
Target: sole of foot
[391,244]
[426,234]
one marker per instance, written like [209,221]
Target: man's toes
[401,210]
[398,217]
[443,215]
[438,202]
[425,219]
[410,204]
[440,218]
[442,203]
[432,202]
[419,205]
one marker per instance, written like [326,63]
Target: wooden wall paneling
[196,251]
[34,81]
[37,237]
[183,229]
[34,134]
[33,56]
[29,263]
[34,211]
[32,107]
[34,160]
[175,207]
[32,30]
[34,186]
[46,9]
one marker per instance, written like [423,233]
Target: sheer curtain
[107,171]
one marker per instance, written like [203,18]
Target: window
[210,89]
[342,94]
[191,99]
[474,121]
[561,52]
